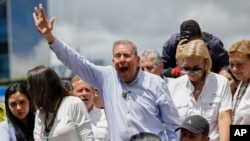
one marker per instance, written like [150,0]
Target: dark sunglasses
[196,70]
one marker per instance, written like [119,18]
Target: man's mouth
[124,69]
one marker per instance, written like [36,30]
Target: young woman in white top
[201,92]
[239,60]
[59,116]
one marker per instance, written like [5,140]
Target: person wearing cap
[194,128]
[190,30]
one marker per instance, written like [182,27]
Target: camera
[185,35]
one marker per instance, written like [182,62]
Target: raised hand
[43,25]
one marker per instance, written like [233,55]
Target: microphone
[125,93]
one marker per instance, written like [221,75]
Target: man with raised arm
[134,101]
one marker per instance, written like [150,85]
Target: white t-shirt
[214,98]
[99,124]
[72,122]
[242,112]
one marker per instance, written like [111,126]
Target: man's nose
[122,58]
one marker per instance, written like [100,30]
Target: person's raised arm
[43,25]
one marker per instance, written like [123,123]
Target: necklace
[198,89]
[49,123]
[241,93]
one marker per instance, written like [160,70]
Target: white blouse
[72,122]
[214,98]
[242,112]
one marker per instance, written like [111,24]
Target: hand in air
[43,25]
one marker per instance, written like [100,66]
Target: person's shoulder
[99,112]
[211,39]
[169,79]
[72,103]
[181,78]
[152,76]
[216,77]
[4,124]
[71,99]
[172,39]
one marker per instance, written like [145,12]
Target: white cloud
[93,26]
[39,55]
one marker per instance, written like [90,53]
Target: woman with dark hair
[59,116]
[233,82]
[20,112]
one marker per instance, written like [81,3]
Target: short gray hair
[151,53]
[125,42]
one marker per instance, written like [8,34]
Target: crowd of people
[193,91]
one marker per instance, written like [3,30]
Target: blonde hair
[197,48]
[75,78]
[242,46]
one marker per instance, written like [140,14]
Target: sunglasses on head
[196,70]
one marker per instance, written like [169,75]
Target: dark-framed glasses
[196,70]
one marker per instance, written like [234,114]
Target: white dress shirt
[99,124]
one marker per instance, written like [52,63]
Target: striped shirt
[141,106]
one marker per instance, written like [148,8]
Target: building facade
[18,35]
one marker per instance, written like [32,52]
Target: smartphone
[185,35]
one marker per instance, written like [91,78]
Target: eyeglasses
[196,70]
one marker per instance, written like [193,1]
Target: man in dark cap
[194,128]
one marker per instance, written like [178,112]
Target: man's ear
[162,66]
[207,138]
[138,59]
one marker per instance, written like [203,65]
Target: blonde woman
[202,92]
